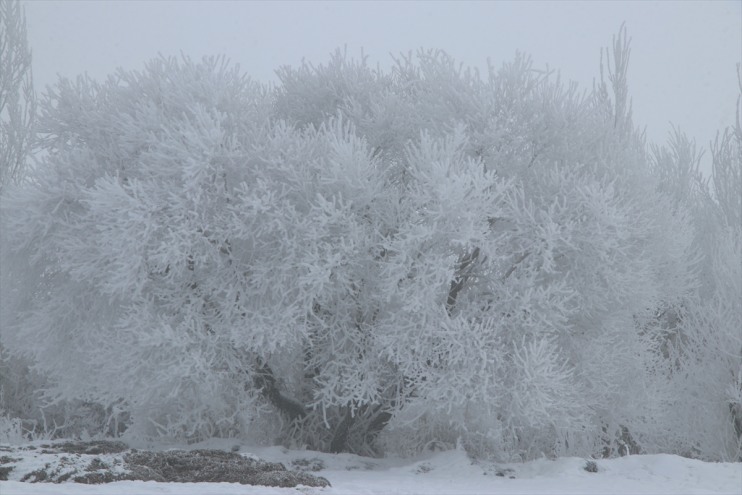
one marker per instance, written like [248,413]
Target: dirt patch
[195,466]
[89,448]
[107,461]
[4,472]
[314,464]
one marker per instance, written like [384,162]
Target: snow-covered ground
[440,473]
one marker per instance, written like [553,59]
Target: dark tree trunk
[265,381]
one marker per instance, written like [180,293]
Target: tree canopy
[369,261]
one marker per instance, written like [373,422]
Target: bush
[385,260]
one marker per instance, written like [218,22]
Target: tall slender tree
[17,99]
[17,112]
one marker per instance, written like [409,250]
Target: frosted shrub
[702,335]
[361,261]
[11,430]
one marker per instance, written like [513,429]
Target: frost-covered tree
[555,271]
[353,260]
[703,335]
[17,111]
[17,99]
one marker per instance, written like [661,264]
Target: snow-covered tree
[17,112]
[703,335]
[354,260]
[563,261]
[17,99]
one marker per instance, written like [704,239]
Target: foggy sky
[682,66]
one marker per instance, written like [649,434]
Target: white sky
[682,66]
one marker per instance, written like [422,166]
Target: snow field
[440,473]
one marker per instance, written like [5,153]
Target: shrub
[364,261]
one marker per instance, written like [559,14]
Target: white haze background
[682,63]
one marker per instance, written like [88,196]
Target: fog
[682,63]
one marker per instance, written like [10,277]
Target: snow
[439,473]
